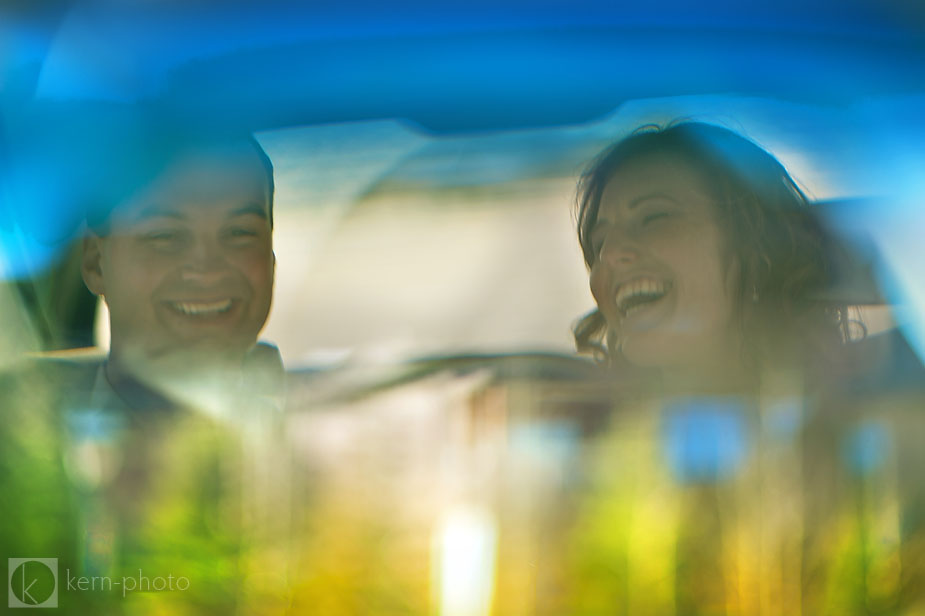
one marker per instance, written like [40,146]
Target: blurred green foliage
[807,521]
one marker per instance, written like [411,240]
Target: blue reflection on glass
[783,418]
[865,448]
[551,444]
[87,424]
[704,439]
[22,255]
[557,440]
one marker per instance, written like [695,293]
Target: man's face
[187,266]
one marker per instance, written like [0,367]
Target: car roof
[459,66]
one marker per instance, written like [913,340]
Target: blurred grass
[593,521]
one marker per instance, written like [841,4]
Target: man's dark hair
[137,163]
[268,168]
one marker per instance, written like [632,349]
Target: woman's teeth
[202,308]
[636,294]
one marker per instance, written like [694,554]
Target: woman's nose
[618,249]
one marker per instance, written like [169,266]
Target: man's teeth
[201,308]
[637,293]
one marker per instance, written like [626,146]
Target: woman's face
[660,277]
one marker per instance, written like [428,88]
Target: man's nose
[205,263]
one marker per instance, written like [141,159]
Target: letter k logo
[33,582]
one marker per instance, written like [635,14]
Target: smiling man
[185,265]
[185,415]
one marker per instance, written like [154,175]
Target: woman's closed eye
[598,239]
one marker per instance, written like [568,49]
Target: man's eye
[161,236]
[241,235]
[165,240]
[650,218]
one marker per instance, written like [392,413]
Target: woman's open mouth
[639,293]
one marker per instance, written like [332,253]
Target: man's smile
[197,308]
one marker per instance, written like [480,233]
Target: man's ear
[91,264]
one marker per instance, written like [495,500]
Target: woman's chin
[680,355]
[650,351]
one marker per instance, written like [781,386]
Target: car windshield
[329,310]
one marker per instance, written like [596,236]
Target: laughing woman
[705,260]
[708,268]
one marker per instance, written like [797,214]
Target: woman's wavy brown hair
[785,257]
